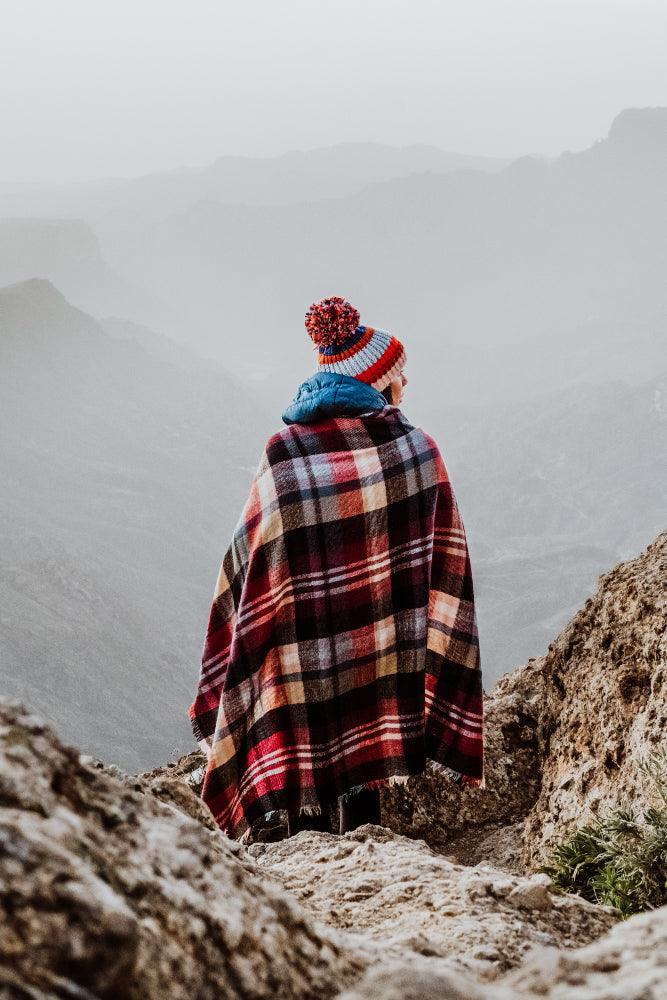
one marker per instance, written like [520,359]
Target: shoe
[318,821]
[359,808]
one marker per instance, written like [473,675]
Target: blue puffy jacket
[329,394]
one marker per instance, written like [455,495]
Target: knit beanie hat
[344,346]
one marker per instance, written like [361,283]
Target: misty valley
[151,334]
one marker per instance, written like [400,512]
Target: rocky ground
[415,903]
[629,963]
[109,892]
[119,886]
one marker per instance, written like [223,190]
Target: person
[342,650]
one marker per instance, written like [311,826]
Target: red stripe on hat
[383,364]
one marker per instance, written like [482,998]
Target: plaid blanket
[342,647]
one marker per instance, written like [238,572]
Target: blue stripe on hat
[346,344]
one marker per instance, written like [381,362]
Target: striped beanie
[344,346]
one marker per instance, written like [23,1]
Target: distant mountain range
[123,476]
[502,283]
[553,492]
[126,460]
[67,253]
[300,175]
[532,302]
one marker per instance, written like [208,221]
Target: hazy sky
[122,87]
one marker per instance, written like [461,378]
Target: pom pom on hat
[331,321]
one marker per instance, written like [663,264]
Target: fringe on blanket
[393,779]
[310,810]
[457,777]
[460,779]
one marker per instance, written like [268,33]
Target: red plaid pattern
[342,647]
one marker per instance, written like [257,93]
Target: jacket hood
[330,394]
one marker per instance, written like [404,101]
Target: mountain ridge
[497,270]
[126,463]
[117,465]
[258,180]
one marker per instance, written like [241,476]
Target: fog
[120,89]
[489,182]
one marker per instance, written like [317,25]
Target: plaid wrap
[342,646]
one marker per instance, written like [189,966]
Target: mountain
[299,175]
[123,477]
[127,460]
[552,491]
[67,253]
[636,133]
[500,284]
[158,345]
[122,885]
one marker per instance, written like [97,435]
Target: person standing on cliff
[342,651]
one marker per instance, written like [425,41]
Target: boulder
[109,892]
[603,704]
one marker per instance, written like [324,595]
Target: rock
[531,896]
[475,824]
[109,892]
[176,791]
[413,902]
[628,963]
[604,703]
[122,886]
[549,770]
[406,983]
[112,890]
[180,782]
[189,769]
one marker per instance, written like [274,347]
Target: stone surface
[399,893]
[476,824]
[604,702]
[628,963]
[108,892]
[114,887]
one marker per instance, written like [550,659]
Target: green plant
[620,859]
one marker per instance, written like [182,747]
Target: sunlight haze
[121,89]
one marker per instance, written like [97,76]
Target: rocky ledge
[109,891]
[120,886]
